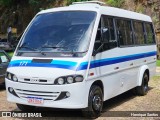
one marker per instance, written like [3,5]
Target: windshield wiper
[70,51]
[27,47]
[30,48]
[54,47]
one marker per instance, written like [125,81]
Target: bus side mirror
[99,40]
[97,44]
[95,51]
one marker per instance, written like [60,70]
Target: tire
[95,103]
[143,89]
[26,108]
[4,85]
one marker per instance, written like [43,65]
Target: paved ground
[124,102]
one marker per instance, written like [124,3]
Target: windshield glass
[59,32]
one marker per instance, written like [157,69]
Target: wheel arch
[143,69]
[100,84]
[89,111]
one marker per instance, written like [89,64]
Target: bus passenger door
[105,49]
[96,56]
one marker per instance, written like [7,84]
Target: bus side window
[139,33]
[124,32]
[98,38]
[106,25]
[149,33]
[120,24]
[108,33]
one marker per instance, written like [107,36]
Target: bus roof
[100,8]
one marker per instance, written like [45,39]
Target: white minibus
[78,56]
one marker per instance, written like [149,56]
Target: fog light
[10,89]
[68,94]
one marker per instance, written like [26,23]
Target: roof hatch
[93,2]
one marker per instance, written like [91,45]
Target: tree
[71,1]
[6,2]
[115,3]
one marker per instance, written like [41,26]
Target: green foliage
[40,2]
[156,78]
[76,0]
[115,3]
[140,8]
[10,54]
[6,2]
[34,2]
[71,1]
[158,63]
[37,4]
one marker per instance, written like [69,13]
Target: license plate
[35,100]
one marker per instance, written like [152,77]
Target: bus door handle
[131,64]
[116,68]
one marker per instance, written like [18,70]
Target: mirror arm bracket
[96,51]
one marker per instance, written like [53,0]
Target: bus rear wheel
[26,108]
[143,89]
[95,103]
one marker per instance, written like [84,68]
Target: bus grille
[45,95]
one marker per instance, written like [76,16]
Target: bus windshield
[58,32]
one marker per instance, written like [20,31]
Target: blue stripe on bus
[43,65]
[73,65]
[109,61]
[53,64]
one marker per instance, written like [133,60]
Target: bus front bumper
[70,96]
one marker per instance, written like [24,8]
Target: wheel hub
[97,102]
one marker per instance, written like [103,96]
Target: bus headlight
[11,76]
[61,81]
[15,78]
[79,78]
[68,79]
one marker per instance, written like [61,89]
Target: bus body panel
[123,68]
[120,69]
[78,98]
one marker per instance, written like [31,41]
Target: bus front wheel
[95,103]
